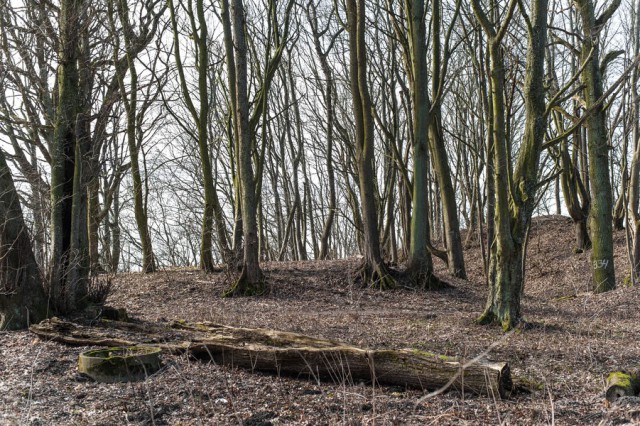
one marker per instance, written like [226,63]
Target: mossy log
[620,383]
[291,354]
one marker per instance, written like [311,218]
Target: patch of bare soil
[574,340]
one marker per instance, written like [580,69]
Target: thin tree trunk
[374,272]
[251,281]
[131,107]
[634,175]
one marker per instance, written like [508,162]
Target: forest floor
[573,340]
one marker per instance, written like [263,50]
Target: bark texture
[601,195]
[374,271]
[22,297]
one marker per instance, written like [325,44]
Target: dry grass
[575,339]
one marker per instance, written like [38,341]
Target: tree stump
[620,383]
[120,364]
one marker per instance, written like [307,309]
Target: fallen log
[291,354]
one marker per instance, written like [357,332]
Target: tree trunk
[212,212]
[439,156]
[328,98]
[130,102]
[374,272]
[516,193]
[94,220]
[455,254]
[601,198]
[69,266]
[22,297]
[634,175]
[621,384]
[420,265]
[251,281]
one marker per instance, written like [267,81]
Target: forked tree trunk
[583,242]
[328,98]
[212,215]
[374,272]
[251,281]
[420,265]
[515,194]
[440,158]
[130,102]
[69,240]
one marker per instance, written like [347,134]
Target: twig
[464,367]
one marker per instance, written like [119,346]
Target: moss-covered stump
[120,364]
[620,383]
[292,354]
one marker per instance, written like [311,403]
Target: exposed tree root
[507,323]
[423,278]
[245,287]
[376,275]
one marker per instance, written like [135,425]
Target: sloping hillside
[560,359]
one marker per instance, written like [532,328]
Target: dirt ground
[573,340]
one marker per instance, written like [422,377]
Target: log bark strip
[291,354]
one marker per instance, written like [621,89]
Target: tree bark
[22,297]
[69,254]
[516,193]
[439,156]
[601,197]
[621,384]
[373,272]
[251,281]
[131,108]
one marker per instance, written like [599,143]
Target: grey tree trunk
[374,272]
[634,176]
[251,281]
[69,241]
[130,102]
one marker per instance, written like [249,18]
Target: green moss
[529,384]
[627,281]
[621,379]
[432,355]
[487,318]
